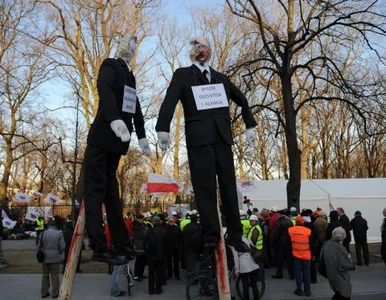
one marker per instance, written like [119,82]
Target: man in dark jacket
[140,231]
[155,254]
[359,228]
[282,245]
[307,216]
[204,94]
[191,245]
[107,141]
[67,235]
[173,248]
[345,223]
[334,223]
[383,234]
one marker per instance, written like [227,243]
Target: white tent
[365,195]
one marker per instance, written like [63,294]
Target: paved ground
[369,283]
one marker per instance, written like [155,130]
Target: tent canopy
[365,195]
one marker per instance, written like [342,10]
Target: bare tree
[24,67]
[298,39]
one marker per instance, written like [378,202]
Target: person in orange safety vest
[303,249]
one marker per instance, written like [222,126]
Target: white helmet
[253,218]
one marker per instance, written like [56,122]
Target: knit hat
[156,219]
[299,220]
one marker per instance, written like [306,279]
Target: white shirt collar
[127,65]
[202,68]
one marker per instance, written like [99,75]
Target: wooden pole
[222,265]
[65,292]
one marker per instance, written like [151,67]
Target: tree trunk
[7,170]
[293,185]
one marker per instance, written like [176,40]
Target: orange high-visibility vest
[300,238]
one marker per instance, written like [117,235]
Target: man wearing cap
[255,235]
[140,231]
[359,228]
[303,251]
[282,245]
[204,94]
[245,223]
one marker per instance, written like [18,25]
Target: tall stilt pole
[73,257]
[222,266]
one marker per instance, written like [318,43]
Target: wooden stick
[222,265]
[73,257]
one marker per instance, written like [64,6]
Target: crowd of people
[289,239]
[170,245]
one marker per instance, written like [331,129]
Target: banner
[37,194]
[245,185]
[48,213]
[33,213]
[52,199]
[8,223]
[161,184]
[22,197]
[4,214]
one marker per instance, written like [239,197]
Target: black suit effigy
[103,153]
[209,139]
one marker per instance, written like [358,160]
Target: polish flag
[161,184]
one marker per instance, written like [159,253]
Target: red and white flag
[161,184]
[143,188]
[22,197]
[52,199]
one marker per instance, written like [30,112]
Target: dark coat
[359,228]
[383,245]
[159,233]
[281,236]
[1,223]
[189,235]
[173,238]
[113,76]
[140,231]
[334,223]
[201,125]
[345,223]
